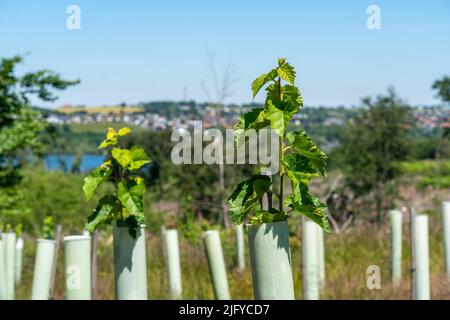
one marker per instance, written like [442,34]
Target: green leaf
[122,156]
[131,159]
[123,131]
[286,72]
[253,119]
[131,197]
[138,158]
[107,208]
[292,96]
[111,139]
[246,195]
[267,216]
[309,206]
[259,82]
[95,179]
[306,147]
[300,171]
[278,118]
[299,168]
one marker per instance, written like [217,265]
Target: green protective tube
[446,227]
[310,260]
[240,247]
[9,240]
[422,258]
[3,289]
[19,257]
[43,269]
[77,265]
[173,267]
[396,247]
[130,264]
[321,256]
[270,260]
[216,263]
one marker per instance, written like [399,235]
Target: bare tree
[217,89]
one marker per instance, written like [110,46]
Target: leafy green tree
[125,205]
[442,87]
[20,125]
[299,160]
[376,139]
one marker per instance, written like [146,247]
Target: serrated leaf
[111,133]
[259,82]
[107,208]
[292,96]
[131,197]
[299,168]
[95,179]
[122,156]
[278,118]
[268,216]
[123,131]
[311,207]
[286,72]
[306,147]
[108,142]
[253,119]
[138,158]
[111,139]
[246,195]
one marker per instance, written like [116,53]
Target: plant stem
[281,157]
[281,191]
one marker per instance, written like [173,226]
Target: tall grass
[347,258]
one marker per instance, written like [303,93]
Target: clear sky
[136,51]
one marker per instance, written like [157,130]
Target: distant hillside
[68,109]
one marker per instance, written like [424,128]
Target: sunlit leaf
[306,147]
[246,195]
[286,72]
[122,156]
[253,119]
[131,197]
[138,158]
[123,131]
[268,216]
[95,179]
[278,118]
[259,82]
[104,213]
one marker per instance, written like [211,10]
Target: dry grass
[347,258]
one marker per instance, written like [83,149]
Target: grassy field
[99,127]
[100,110]
[347,258]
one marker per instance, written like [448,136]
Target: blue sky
[136,51]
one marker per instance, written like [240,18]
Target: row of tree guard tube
[269,256]
[270,259]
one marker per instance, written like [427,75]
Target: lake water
[88,161]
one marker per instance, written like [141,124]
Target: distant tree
[442,87]
[20,124]
[377,138]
